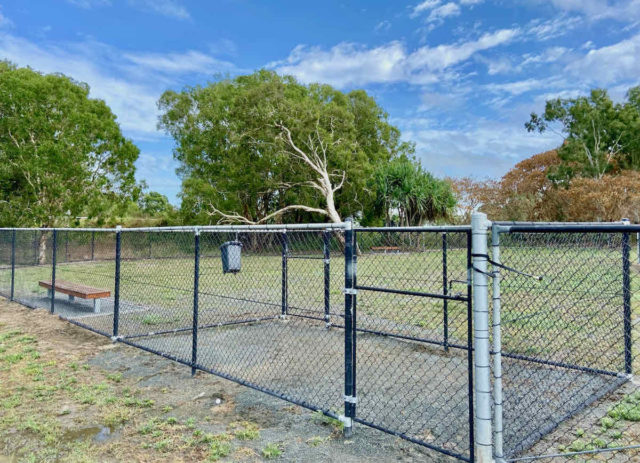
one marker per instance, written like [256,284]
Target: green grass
[563,315]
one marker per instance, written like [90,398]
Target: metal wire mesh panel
[569,345]
[85,278]
[413,356]
[33,258]
[6,247]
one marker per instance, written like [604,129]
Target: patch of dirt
[72,395]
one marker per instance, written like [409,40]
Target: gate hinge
[351,399]
[351,291]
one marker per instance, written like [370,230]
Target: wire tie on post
[496,264]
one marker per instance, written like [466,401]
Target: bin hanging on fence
[230,253]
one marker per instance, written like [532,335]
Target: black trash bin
[230,252]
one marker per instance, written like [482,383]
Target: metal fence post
[13,263]
[498,452]
[93,244]
[66,246]
[349,331]
[196,286]
[626,297]
[116,292]
[327,278]
[479,228]
[285,278]
[445,302]
[54,254]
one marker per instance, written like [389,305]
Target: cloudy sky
[458,77]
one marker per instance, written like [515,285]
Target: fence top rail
[426,228]
[201,228]
[569,228]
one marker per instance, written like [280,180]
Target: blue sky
[458,77]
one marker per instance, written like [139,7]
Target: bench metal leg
[96,306]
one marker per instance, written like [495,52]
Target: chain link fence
[274,308]
[532,358]
[566,309]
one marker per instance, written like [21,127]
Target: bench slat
[76,289]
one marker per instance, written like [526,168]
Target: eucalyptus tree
[264,147]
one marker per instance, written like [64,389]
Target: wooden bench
[74,290]
[385,249]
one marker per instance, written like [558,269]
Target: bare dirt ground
[69,395]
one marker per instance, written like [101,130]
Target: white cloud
[350,64]
[549,55]
[483,149]
[622,10]
[438,14]
[382,26]
[521,86]
[179,63]
[471,2]
[424,6]
[552,28]
[610,64]
[87,4]
[169,8]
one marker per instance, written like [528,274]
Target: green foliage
[62,154]
[232,155]
[154,203]
[405,189]
[600,136]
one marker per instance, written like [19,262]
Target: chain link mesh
[412,347]
[569,346]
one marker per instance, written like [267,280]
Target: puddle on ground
[95,433]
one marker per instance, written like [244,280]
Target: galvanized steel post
[196,286]
[93,245]
[479,228]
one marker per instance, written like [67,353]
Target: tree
[62,154]
[264,147]
[600,137]
[406,191]
[154,203]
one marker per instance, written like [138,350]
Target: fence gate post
[116,291]
[327,277]
[497,348]
[54,253]
[285,278]
[479,228]
[13,263]
[626,298]
[196,286]
[349,331]
[445,302]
